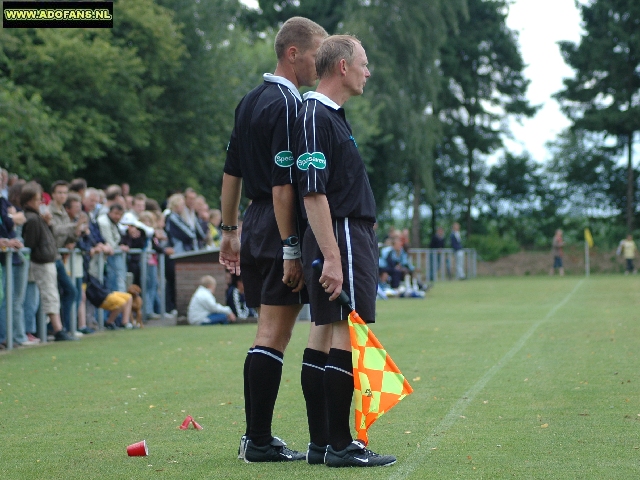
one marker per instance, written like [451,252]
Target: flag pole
[587,266]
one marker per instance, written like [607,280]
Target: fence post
[101,278]
[163,290]
[143,280]
[74,311]
[8,275]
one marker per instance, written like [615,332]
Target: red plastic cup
[138,449]
[186,423]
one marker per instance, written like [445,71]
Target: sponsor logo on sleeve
[315,159]
[284,159]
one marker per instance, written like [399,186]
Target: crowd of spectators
[66,226]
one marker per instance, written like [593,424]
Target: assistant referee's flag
[378,382]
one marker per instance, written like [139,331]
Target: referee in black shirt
[268,255]
[341,211]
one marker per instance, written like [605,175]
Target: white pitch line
[414,461]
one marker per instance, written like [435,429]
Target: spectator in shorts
[203,307]
[39,238]
[628,248]
[118,303]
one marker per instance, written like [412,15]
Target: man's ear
[292,53]
[343,67]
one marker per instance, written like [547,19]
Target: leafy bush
[492,246]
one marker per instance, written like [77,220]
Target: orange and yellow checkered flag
[378,382]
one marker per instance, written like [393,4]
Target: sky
[540,24]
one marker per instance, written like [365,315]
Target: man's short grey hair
[299,32]
[332,50]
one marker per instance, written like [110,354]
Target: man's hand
[124,248]
[15,243]
[293,277]
[231,317]
[331,278]
[19,218]
[47,217]
[230,252]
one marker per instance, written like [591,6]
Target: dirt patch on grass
[539,263]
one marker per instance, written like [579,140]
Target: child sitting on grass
[203,307]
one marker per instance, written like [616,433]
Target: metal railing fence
[41,318]
[439,264]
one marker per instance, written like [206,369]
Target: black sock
[338,387]
[312,380]
[265,372]
[247,391]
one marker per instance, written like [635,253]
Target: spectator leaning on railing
[65,232]
[39,238]
[9,218]
[116,266]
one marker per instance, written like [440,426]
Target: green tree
[604,94]
[30,144]
[403,41]
[100,86]
[585,171]
[483,82]
[328,13]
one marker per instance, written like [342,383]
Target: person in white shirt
[203,307]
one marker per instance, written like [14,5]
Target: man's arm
[230,202]
[319,217]
[284,198]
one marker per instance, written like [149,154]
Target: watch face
[292,241]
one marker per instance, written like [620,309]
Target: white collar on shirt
[270,77]
[321,98]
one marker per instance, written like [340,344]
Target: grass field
[532,377]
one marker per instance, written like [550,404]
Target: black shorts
[359,254]
[261,265]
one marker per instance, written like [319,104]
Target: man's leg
[126,310]
[460,263]
[67,294]
[314,361]
[338,384]
[275,325]
[342,450]
[216,318]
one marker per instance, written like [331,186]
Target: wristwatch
[291,241]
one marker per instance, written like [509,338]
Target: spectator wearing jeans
[203,307]
[66,234]
[116,265]
[10,218]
